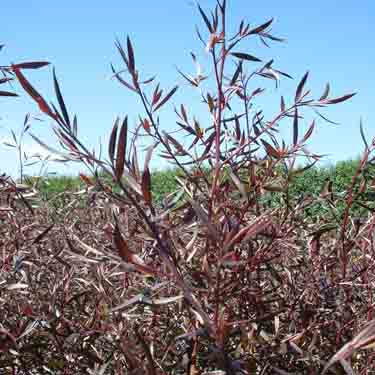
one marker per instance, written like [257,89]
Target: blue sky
[332,39]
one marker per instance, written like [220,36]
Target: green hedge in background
[310,182]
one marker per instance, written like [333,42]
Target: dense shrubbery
[237,272]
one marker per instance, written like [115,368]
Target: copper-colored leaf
[31,65]
[130,55]
[339,100]
[43,106]
[122,246]
[87,180]
[128,256]
[146,186]
[180,149]
[146,125]
[121,149]
[261,28]
[270,150]
[251,230]
[156,96]
[166,98]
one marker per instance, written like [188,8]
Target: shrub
[215,279]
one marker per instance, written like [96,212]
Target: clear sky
[332,39]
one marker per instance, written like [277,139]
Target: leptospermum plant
[242,287]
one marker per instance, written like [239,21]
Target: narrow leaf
[300,87]
[339,100]
[260,28]
[75,126]
[282,104]
[206,20]
[122,52]
[166,98]
[121,149]
[128,256]
[156,96]
[122,246]
[43,106]
[269,149]
[112,140]
[236,74]
[146,186]
[4,80]
[325,118]
[325,93]
[130,55]
[183,113]
[308,132]
[61,100]
[7,93]
[122,81]
[31,65]
[190,80]
[245,56]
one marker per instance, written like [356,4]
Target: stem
[161,140]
